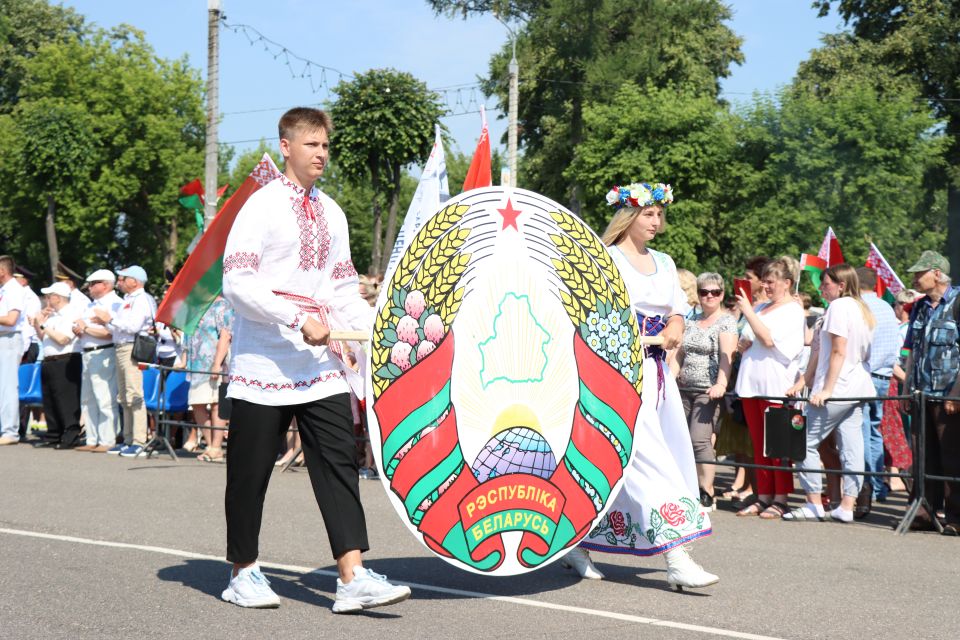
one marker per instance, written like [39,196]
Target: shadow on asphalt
[209,577]
[436,572]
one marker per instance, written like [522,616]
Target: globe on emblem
[516,450]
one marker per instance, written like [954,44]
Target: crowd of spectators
[753,350]
[739,354]
[92,386]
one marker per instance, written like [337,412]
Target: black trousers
[326,431]
[943,459]
[60,383]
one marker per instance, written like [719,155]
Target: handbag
[144,348]
[785,433]
[224,404]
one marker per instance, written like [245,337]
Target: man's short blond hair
[303,119]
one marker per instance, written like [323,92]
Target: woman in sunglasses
[705,359]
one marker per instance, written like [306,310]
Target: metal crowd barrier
[161,438]
[918,448]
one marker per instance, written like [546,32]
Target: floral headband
[640,194]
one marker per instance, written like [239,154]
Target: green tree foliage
[383,120]
[25,26]
[576,53]
[771,179]
[918,41]
[111,132]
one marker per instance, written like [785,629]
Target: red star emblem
[510,215]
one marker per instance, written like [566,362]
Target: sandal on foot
[744,501]
[189,447]
[774,512]
[753,509]
[212,455]
[733,493]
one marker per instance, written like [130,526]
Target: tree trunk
[52,249]
[173,239]
[391,231]
[376,253]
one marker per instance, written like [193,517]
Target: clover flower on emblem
[624,356]
[624,334]
[615,320]
[603,327]
[593,319]
[594,342]
[612,343]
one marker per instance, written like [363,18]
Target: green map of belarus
[516,352]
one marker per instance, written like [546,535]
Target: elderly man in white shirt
[98,393]
[135,316]
[11,350]
[61,369]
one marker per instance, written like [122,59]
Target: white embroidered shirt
[288,258]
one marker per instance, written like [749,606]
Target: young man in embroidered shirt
[288,274]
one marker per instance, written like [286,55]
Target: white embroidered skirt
[658,507]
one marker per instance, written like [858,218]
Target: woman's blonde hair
[847,276]
[622,220]
[781,270]
[688,282]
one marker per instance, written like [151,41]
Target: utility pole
[213,111]
[514,69]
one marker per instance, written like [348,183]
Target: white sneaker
[579,560]
[249,588]
[842,515]
[682,571]
[366,591]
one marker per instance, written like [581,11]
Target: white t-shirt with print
[770,371]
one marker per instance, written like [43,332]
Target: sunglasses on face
[710,292]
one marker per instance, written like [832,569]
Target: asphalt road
[101,547]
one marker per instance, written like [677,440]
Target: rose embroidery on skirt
[617,523]
[674,520]
[673,514]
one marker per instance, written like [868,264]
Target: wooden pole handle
[356,336]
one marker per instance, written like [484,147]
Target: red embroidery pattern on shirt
[279,386]
[241,260]
[343,270]
[314,231]
[296,320]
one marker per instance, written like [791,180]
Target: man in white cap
[60,370]
[98,393]
[135,316]
[78,299]
[11,350]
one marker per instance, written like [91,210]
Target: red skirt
[891,428]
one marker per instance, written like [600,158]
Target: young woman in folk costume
[658,509]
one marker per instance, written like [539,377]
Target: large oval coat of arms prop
[505,377]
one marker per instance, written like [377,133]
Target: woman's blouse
[653,294]
[202,346]
[770,371]
[701,351]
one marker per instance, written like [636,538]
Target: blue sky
[356,35]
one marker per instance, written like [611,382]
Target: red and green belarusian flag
[815,265]
[192,197]
[888,284]
[828,256]
[200,280]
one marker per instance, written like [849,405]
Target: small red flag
[479,174]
